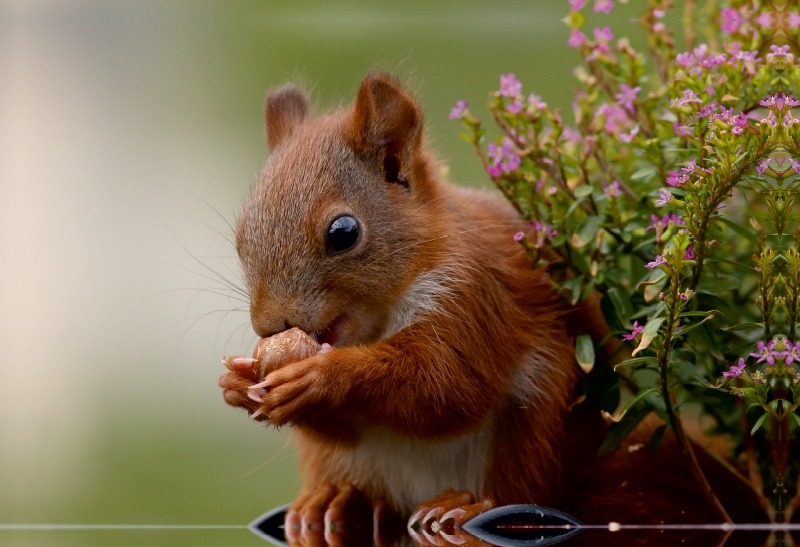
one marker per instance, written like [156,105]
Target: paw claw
[257,413]
[259,385]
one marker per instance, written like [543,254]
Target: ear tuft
[285,109]
[386,119]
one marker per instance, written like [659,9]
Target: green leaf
[716,313]
[639,396]
[732,263]
[718,282]
[743,326]
[690,328]
[622,304]
[773,404]
[694,375]
[622,429]
[656,277]
[583,190]
[650,331]
[636,361]
[587,231]
[575,205]
[759,422]
[644,174]
[653,310]
[655,440]
[796,418]
[739,229]
[574,285]
[584,352]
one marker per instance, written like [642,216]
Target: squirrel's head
[338,223]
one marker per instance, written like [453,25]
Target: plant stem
[674,420]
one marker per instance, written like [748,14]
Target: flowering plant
[671,197]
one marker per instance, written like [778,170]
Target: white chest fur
[413,471]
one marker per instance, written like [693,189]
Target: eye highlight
[343,234]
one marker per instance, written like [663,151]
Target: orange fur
[484,354]
[453,360]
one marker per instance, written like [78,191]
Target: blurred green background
[131,133]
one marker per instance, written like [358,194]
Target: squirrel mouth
[330,334]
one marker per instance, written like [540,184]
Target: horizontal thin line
[31,527]
[613,527]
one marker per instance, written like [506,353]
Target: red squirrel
[451,366]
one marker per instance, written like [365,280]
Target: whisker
[205,314]
[225,220]
[212,290]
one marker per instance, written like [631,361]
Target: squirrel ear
[285,109]
[386,119]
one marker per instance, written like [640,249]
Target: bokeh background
[130,133]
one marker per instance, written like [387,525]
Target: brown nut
[289,346]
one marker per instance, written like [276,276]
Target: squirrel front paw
[285,394]
[251,379]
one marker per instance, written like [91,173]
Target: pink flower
[546,230]
[735,371]
[706,111]
[764,20]
[627,95]
[659,27]
[503,159]
[762,166]
[510,86]
[664,197]
[689,254]
[515,107]
[681,130]
[612,190]
[571,134]
[676,179]
[603,34]
[616,118]
[628,137]
[659,261]
[731,20]
[794,20]
[779,51]
[576,39]
[537,101]
[791,356]
[603,5]
[661,224]
[765,352]
[511,163]
[519,236]
[796,166]
[637,330]
[576,5]
[690,167]
[689,97]
[684,59]
[458,110]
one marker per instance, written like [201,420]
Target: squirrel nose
[265,329]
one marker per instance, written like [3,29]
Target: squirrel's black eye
[342,234]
